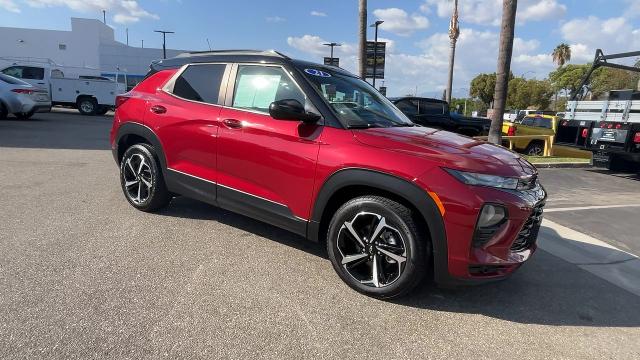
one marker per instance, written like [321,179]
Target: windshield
[357,104]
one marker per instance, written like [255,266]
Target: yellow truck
[538,125]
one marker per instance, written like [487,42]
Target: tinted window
[542,122]
[200,83]
[409,107]
[431,108]
[25,72]
[258,86]
[528,121]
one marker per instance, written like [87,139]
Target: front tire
[141,179]
[377,247]
[24,116]
[535,149]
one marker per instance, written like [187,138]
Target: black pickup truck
[435,113]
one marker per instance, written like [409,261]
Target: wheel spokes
[351,258]
[352,231]
[381,225]
[399,258]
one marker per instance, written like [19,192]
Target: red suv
[316,150]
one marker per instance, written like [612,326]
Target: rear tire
[377,247]
[141,179]
[24,116]
[535,149]
[3,111]
[87,106]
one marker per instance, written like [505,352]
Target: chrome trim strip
[193,176]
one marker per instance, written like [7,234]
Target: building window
[62,46]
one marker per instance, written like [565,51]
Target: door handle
[158,109]
[232,123]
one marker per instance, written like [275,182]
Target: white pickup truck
[90,93]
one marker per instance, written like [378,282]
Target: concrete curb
[563,165]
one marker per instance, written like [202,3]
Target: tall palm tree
[362,58]
[504,68]
[454,32]
[561,54]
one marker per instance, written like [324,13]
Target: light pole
[164,41]
[332,45]
[375,50]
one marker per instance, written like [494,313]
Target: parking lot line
[606,261]
[590,207]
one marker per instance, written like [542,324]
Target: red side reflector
[585,132]
[23,91]
[636,138]
[121,100]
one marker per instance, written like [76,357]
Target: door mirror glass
[291,109]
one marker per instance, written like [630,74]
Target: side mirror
[291,109]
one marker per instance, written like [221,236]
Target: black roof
[249,56]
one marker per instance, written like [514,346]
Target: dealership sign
[375,56]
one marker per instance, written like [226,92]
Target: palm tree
[454,32]
[363,38]
[561,54]
[504,69]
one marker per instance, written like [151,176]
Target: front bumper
[512,243]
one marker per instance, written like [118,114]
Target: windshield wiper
[360,126]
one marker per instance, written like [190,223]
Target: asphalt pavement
[84,275]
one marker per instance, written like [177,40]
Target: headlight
[495,181]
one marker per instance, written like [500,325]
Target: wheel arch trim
[410,192]
[134,128]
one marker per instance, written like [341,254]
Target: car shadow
[620,174]
[546,291]
[57,130]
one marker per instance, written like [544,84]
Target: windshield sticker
[316,72]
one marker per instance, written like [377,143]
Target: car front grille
[527,236]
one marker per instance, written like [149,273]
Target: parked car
[531,125]
[317,151]
[89,94]
[21,99]
[435,113]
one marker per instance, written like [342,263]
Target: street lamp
[375,50]
[164,41]
[332,45]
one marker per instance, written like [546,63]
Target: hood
[448,149]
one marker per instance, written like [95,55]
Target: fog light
[491,215]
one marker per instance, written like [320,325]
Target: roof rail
[233,52]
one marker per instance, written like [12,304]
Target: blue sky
[415,29]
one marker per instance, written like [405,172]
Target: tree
[509,8]
[568,78]
[454,32]
[561,54]
[525,94]
[363,38]
[483,87]
[607,79]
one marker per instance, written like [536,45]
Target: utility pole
[127,31]
[332,45]
[454,32]
[143,43]
[209,44]
[164,41]
[375,50]
[104,17]
[362,33]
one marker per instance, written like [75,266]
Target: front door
[266,167]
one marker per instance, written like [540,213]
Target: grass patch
[555,159]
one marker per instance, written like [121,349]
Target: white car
[21,99]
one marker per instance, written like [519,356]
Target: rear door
[266,167]
[185,116]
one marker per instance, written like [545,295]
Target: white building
[90,43]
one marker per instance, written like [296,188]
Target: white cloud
[313,45]
[275,19]
[318,13]
[489,12]
[612,35]
[10,6]
[125,11]
[398,22]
